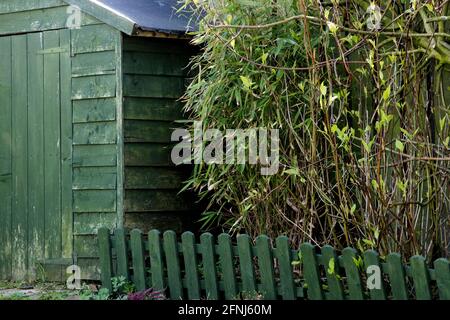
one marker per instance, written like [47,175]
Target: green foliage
[363,120]
[121,288]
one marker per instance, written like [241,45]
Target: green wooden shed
[89,91]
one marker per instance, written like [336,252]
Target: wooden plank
[311,271]
[396,273]
[283,254]
[52,147]
[20,5]
[168,46]
[90,222]
[37,20]
[442,272]
[153,86]
[144,63]
[94,133]
[137,252]
[66,147]
[105,258]
[352,273]
[121,247]
[93,63]
[94,155]
[332,268]
[190,265]
[226,261]
[94,110]
[421,278]
[152,109]
[156,259]
[149,131]
[36,206]
[155,200]
[173,265]
[371,259]
[5,157]
[93,38]
[154,178]
[161,220]
[209,266]
[86,246]
[92,87]
[246,264]
[94,201]
[265,265]
[19,155]
[147,154]
[99,178]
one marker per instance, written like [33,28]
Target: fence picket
[283,253]
[333,275]
[352,274]
[396,273]
[311,271]
[190,265]
[156,259]
[246,263]
[265,264]
[121,253]
[137,253]
[421,278]
[442,271]
[173,265]
[104,243]
[209,266]
[371,259]
[226,256]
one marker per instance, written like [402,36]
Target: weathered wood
[152,109]
[209,266]
[20,5]
[91,87]
[120,238]
[94,110]
[349,257]
[168,46]
[89,178]
[442,273]
[283,255]
[137,252]
[246,264]
[93,63]
[396,273]
[311,271]
[371,259]
[153,178]
[156,260]
[90,222]
[148,154]
[153,86]
[154,200]
[226,260]
[265,264]
[94,38]
[94,133]
[190,265]
[421,278]
[105,257]
[160,220]
[173,265]
[145,63]
[94,155]
[148,131]
[332,269]
[94,201]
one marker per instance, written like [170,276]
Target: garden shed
[89,92]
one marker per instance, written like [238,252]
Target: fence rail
[220,269]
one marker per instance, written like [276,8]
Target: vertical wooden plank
[226,260]
[246,264]
[352,274]
[283,254]
[36,210]
[371,260]
[104,245]
[5,157]
[190,265]
[442,272]
[311,271]
[396,273]
[137,253]
[333,276]
[118,38]
[156,259]
[265,264]
[209,266]
[173,265]
[122,253]
[421,278]
[20,157]
[66,145]
[52,147]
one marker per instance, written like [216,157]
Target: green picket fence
[222,269]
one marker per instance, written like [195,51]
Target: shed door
[35,151]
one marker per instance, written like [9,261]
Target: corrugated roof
[130,16]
